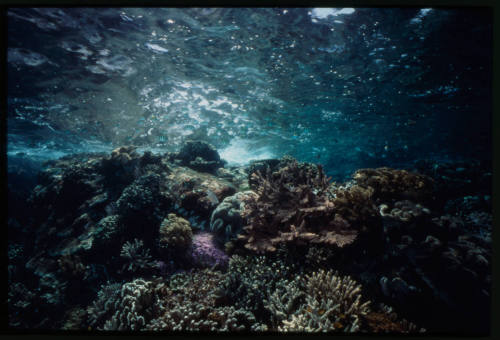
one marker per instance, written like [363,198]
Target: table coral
[292,206]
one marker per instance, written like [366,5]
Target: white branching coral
[125,307]
[332,303]
[137,258]
[284,300]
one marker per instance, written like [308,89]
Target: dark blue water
[350,89]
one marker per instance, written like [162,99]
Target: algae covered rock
[199,156]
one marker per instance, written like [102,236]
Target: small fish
[211,196]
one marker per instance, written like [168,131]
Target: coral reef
[109,230]
[72,266]
[403,210]
[199,155]
[128,307]
[226,220]
[249,280]
[142,200]
[205,252]
[136,257]
[146,224]
[175,234]
[391,184]
[293,206]
[385,320]
[196,194]
[332,303]
[192,305]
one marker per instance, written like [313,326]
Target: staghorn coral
[137,258]
[175,233]
[284,300]
[391,184]
[197,316]
[332,303]
[103,307]
[292,206]
[249,280]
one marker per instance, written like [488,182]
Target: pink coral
[205,252]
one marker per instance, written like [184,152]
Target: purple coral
[205,252]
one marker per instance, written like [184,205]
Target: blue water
[347,88]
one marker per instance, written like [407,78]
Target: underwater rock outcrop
[199,156]
[196,194]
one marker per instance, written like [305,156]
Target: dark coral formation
[199,156]
[392,184]
[151,233]
[294,205]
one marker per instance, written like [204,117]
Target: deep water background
[347,88]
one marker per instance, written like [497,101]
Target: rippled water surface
[345,87]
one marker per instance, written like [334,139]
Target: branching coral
[332,303]
[391,184]
[137,258]
[103,307]
[249,280]
[197,316]
[128,307]
[190,303]
[284,300]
